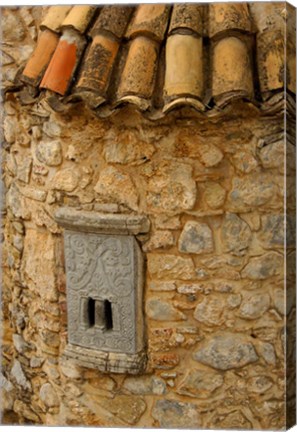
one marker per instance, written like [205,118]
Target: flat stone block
[107,362]
[102,223]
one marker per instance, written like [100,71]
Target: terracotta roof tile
[79,18]
[150,20]
[232,74]
[54,18]
[138,76]
[270,19]
[228,16]
[270,50]
[38,62]
[63,63]
[187,16]
[268,15]
[291,49]
[112,19]
[160,57]
[95,75]
[184,70]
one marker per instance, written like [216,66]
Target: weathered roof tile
[138,76]
[228,16]
[232,73]
[276,33]
[184,69]
[150,20]
[187,16]
[79,17]
[268,15]
[291,49]
[38,62]
[97,68]
[54,18]
[160,57]
[270,51]
[113,19]
[63,63]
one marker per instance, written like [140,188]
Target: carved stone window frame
[85,226]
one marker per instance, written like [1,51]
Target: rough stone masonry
[214,296]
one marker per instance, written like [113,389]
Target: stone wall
[214,305]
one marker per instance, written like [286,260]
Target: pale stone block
[196,238]
[264,266]
[66,180]
[226,351]
[118,187]
[18,374]
[259,384]
[39,254]
[101,222]
[236,235]
[200,384]
[49,152]
[174,414]
[160,310]
[128,408]
[170,266]
[254,306]
[210,311]
[48,395]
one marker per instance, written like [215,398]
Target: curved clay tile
[40,58]
[275,25]
[271,66]
[138,76]
[64,62]
[112,19]
[184,67]
[149,20]
[187,16]
[232,73]
[147,73]
[79,17]
[182,102]
[291,49]
[268,15]
[96,70]
[54,18]
[228,16]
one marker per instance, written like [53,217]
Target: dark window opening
[108,315]
[91,312]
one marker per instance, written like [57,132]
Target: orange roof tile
[63,63]
[159,56]
[40,58]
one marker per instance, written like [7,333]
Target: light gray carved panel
[105,279]
[104,273]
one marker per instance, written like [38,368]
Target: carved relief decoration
[102,268]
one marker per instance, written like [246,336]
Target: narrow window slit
[91,312]
[108,315]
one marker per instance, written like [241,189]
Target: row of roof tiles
[159,56]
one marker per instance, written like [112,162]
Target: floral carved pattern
[104,268]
